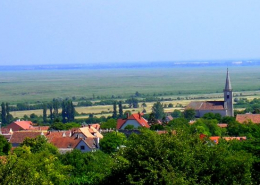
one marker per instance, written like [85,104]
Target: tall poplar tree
[120,109]
[9,117]
[44,115]
[114,110]
[3,113]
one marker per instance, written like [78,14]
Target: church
[224,108]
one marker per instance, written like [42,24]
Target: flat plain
[44,85]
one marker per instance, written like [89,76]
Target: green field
[43,85]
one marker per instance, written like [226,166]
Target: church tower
[228,97]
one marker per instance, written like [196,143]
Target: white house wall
[82,143]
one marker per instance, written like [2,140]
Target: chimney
[11,131]
[63,134]
[89,126]
[70,134]
[139,114]
[127,115]
[42,134]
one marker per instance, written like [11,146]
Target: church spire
[228,83]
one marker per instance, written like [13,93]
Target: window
[82,147]
[227,96]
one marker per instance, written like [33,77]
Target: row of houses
[86,138]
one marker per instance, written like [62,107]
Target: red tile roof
[42,128]
[65,142]
[24,124]
[245,118]
[206,105]
[57,134]
[137,116]
[19,137]
[120,123]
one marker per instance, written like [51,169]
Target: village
[87,137]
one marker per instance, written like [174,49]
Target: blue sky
[93,31]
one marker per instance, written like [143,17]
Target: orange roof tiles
[245,118]
[137,116]
[24,124]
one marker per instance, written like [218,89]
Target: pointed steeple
[228,83]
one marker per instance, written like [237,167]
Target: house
[20,125]
[224,108]
[67,144]
[18,137]
[135,119]
[246,118]
[85,139]
[87,132]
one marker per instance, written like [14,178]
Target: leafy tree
[5,146]
[55,105]
[156,127]
[179,123]
[120,109]
[87,168]
[51,112]
[189,114]
[208,127]
[152,120]
[110,123]
[112,141]
[114,110]
[3,113]
[24,167]
[211,115]
[44,117]
[176,113]
[62,126]
[68,111]
[129,127]
[9,117]
[133,102]
[158,110]
[179,158]
[39,144]
[170,105]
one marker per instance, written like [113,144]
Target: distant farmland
[44,85]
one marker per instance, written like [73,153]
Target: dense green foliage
[5,146]
[64,126]
[109,124]
[179,157]
[112,141]
[158,110]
